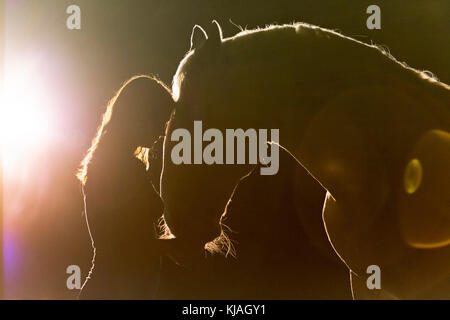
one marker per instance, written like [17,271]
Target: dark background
[44,229]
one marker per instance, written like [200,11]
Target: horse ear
[424,201]
[198,37]
[216,36]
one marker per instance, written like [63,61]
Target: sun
[25,120]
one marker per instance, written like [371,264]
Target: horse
[356,119]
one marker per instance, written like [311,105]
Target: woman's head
[134,117]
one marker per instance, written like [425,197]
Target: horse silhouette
[353,116]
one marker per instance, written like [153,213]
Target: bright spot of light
[25,118]
[412,176]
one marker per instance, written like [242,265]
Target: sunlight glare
[25,120]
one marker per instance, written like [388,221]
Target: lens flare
[413,176]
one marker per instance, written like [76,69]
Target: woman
[121,203]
